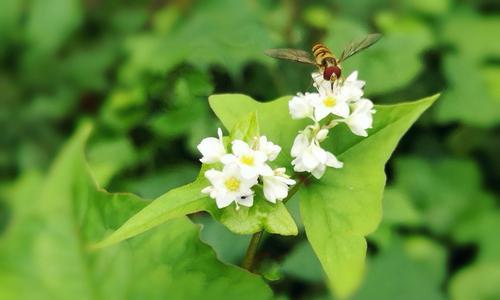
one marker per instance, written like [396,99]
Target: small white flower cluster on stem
[341,102]
[241,170]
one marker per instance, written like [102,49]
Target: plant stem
[248,261]
[252,249]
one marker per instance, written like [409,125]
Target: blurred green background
[142,72]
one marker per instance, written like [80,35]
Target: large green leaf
[273,117]
[175,203]
[187,199]
[43,253]
[345,205]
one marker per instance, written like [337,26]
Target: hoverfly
[324,59]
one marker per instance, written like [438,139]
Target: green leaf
[230,247]
[107,157]
[482,229]
[225,33]
[43,253]
[246,129]
[187,199]
[395,274]
[335,227]
[263,215]
[478,282]
[480,92]
[175,203]
[273,118]
[446,192]
[398,210]
[345,205]
[472,34]
[47,28]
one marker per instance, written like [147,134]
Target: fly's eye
[330,71]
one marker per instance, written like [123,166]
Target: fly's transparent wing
[291,54]
[357,46]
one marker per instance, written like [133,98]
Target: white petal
[332,161]
[309,160]
[353,76]
[274,189]
[240,148]
[270,149]
[219,133]
[300,144]
[207,190]
[298,166]
[211,149]
[224,200]
[245,200]
[361,117]
[248,172]
[214,176]
[319,171]
[228,159]
[300,107]
[321,112]
[341,109]
[265,170]
[259,157]
[319,153]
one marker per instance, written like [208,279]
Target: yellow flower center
[329,101]
[232,184]
[247,160]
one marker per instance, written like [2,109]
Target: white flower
[330,101]
[276,185]
[301,106]
[361,118]
[212,149]
[229,186]
[268,148]
[252,163]
[352,88]
[310,157]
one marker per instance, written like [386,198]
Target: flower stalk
[249,260]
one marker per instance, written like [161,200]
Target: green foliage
[174,204]
[340,210]
[456,183]
[273,218]
[219,32]
[404,41]
[477,282]
[273,119]
[44,253]
[302,263]
[142,74]
[395,274]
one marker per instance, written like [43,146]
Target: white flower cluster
[242,169]
[341,102]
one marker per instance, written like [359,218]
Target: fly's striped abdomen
[322,54]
